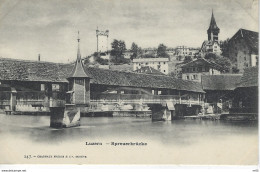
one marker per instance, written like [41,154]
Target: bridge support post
[161,113]
[64,117]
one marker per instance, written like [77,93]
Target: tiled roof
[148,70]
[110,77]
[249,36]
[249,78]
[23,70]
[78,71]
[200,62]
[56,72]
[220,82]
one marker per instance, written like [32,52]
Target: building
[186,51]
[211,45]
[243,48]
[148,70]
[127,54]
[219,91]
[245,97]
[160,64]
[102,43]
[194,70]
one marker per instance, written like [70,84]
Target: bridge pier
[64,117]
[161,113]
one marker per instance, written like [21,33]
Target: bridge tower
[79,95]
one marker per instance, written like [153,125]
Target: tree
[136,51]
[187,59]
[117,52]
[224,62]
[210,56]
[235,69]
[224,46]
[161,51]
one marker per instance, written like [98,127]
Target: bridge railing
[142,98]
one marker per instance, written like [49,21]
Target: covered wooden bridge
[33,86]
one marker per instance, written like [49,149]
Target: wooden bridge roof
[220,82]
[22,70]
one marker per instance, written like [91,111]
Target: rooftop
[151,60]
[201,62]
[249,36]
[220,82]
[249,78]
[19,70]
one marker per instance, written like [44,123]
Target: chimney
[39,57]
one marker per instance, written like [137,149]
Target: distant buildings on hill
[242,51]
[160,64]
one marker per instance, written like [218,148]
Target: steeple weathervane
[78,54]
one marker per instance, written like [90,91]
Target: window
[55,87]
[245,58]
[187,77]
[164,71]
[159,62]
[159,92]
[193,69]
[146,63]
[200,69]
[195,77]
[79,81]
[42,87]
[163,62]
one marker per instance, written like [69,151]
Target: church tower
[213,30]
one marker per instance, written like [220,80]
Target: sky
[50,27]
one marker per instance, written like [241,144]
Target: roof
[21,70]
[78,70]
[25,70]
[249,78]
[148,70]
[220,82]
[213,24]
[201,62]
[249,36]
[131,79]
[151,60]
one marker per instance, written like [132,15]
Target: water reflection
[179,132]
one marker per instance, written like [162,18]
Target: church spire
[213,24]
[213,30]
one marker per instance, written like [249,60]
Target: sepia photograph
[129,82]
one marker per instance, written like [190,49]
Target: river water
[201,142]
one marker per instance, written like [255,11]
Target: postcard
[129,82]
